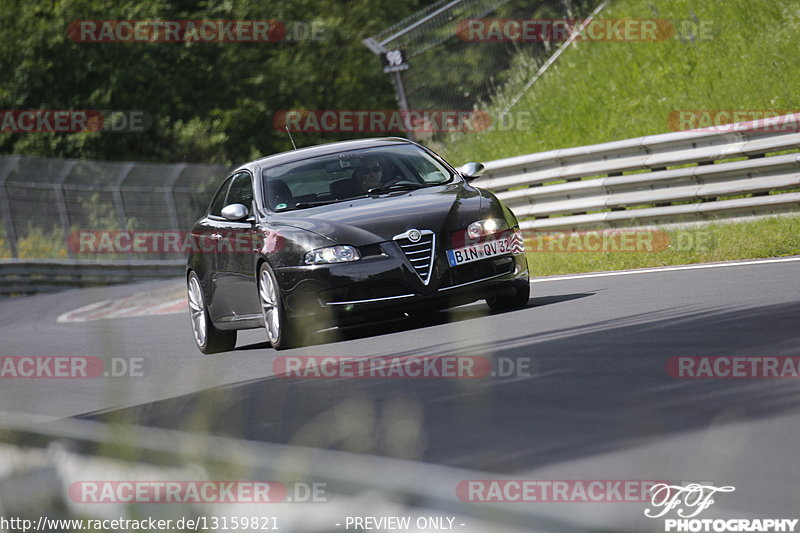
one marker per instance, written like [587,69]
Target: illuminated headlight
[332,254]
[485,227]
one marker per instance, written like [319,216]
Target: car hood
[365,221]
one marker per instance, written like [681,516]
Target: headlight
[485,227]
[332,254]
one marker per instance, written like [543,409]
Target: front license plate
[479,251]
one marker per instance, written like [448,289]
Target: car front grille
[420,253]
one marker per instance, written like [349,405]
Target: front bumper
[388,282]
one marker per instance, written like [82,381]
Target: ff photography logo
[692,499]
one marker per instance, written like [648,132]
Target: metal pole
[5,205]
[61,202]
[116,194]
[397,80]
[402,102]
[170,195]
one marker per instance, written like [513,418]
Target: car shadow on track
[408,323]
[596,388]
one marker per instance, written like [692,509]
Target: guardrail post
[5,205]
[61,202]
[116,194]
[170,195]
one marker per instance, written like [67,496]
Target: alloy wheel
[268,294]
[197,311]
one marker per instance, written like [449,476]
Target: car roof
[321,149]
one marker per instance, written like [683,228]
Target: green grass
[604,91]
[36,243]
[769,237]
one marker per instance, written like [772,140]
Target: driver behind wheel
[370,173]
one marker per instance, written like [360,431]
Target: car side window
[426,169]
[241,191]
[219,200]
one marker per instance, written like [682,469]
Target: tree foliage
[209,102]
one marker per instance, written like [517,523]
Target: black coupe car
[344,232]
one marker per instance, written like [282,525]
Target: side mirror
[472,171]
[234,212]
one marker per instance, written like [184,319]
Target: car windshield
[352,174]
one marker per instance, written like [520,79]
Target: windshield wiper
[303,205]
[402,186]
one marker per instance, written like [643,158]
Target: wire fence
[42,201]
[449,69]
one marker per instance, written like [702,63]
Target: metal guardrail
[419,487]
[675,177]
[30,276]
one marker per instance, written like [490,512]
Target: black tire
[517,300]
[207,338]
[282,332]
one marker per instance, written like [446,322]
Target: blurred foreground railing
[71,451]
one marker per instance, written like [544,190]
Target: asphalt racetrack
[581,387]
